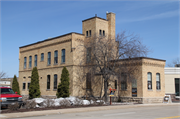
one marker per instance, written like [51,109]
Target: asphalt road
[155,112]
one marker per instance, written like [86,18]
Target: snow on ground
[71,99]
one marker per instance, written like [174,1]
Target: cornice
[46,45]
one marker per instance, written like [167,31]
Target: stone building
[172,81]
[51,55]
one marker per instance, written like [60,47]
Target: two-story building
[51,55]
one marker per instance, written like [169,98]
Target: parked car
[8,96]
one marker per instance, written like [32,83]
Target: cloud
[156,16]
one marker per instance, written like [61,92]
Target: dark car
[8,96]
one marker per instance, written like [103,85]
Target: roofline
[141,58]
[51,39]
[93,18]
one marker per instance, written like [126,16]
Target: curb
[77,110]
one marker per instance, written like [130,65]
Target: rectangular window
[30,61]
[55,57]
[86,33]
[149,82]
[49,58]
[48,82]
[89,32]
[35,60]
[103,33]
[42,56]
[88,56]
[123,81]
[28,85]
[24,86]
[100,32]
[88,81]
[55,81]
[25,60]
[158,84]
[115,84]
[177,86]
[63,56]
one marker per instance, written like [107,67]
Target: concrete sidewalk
[76,110]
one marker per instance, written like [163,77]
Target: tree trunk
[105,90]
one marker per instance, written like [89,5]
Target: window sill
[56,64]
[158,89]
[150,90]
[42,61]
[47,89]
[123,89]
[62,62]
[49,65]
[54,89]
[23,89]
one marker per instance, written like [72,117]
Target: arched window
[63,54]
[55,57]
[25,60]
[48,82]
[149,80]
[158,83]
[35,60]
[30,61]
[55,81]
[49,58]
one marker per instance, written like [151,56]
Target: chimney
[111,18]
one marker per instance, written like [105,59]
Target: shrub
[49,103]
[63,87]
[30,104]
[64,103]
[34,91]
[78,102]
[15,85]
[14,106]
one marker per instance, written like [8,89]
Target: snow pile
[41,102]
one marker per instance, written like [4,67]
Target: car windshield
[7,91]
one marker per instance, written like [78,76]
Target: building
[172,81]
[6,82]
[51,55]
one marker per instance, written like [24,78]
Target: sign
[167,99]
[134,92]
[112,91]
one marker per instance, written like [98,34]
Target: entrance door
[177,86]
[134,88]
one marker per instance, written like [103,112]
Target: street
[154,112]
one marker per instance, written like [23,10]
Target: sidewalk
[76,110]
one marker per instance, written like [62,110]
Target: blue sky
[26,22]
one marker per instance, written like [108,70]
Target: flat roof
[141,58]
[51,39]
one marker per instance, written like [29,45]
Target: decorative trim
[46,45]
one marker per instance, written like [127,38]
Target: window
[103,33]
[24,86]
[88,81]
[30,61]
[55,57]
[89,32]
[48,81]
[55,81]
[42,56]
[123,81]
[115,84]
[86,33]
[88,57]
[25,59]
[149,82]
[63,56]
[158,84]
[100,33]
[28,85]
[49,58]
[35,60]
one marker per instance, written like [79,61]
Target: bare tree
[101,56]
[175,63]
[2,74]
